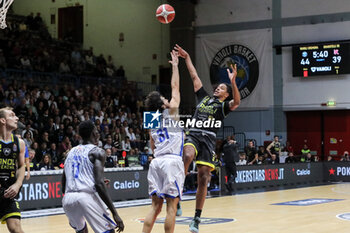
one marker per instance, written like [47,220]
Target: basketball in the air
[165,13]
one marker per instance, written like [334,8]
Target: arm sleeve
[201,93]
[226,108]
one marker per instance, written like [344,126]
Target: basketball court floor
[323,208]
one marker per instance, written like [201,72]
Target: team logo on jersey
[7,151]
[151,120]
[14,148]
[247,68]
[187,220]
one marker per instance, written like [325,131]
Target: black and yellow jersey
[9,153]
[211,111]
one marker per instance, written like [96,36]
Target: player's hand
[181,52]
[28,176]
[232,75]
[119,222]
[174,58]
[12,191]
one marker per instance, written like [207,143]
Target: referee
[230,151]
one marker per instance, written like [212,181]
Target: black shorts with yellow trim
[9,208]
[203,145]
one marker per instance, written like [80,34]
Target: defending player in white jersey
[84,187]
[166,173]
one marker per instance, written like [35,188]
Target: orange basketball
[165,13]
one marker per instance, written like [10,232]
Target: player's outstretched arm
[99,158]
[235,92]
[175,84]
[197,83]
[13,190]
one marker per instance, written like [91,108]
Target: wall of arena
[103,21]
[274,22]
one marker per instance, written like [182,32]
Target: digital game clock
[321,59]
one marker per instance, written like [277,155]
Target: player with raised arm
[200,142]
[84,186]
[12,170]
[166,173]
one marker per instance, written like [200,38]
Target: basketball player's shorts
[81,206]
[9,208]
[166,176]
[204,145]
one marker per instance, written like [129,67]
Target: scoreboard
[321,59]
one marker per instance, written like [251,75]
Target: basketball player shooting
[200,142]
[166,173]
[82,179]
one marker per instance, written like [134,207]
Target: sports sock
[198,213]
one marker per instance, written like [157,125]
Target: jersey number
[76,167]
[162,134]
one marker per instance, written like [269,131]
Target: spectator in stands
[109,143]
[242,159]
[345,157]
[64,67]
[309,158]
[90,61]
[291,158]
[130,134]
[274,147]
[32,162]
[46,163]
[120,72]
[288,148]
[42,151]
[28,139]
[330,158]
[126,146]
[261,159]
[132,158]
[37,22]
[251,153]
[76,56]
[25,63]
[10,101]
[283,156]
[53,152]
[149,160]
[274,159]
[109,159]
[305,150]
[29,20]
[65,146]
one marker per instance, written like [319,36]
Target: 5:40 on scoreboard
[321,59]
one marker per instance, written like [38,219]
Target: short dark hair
[153,101]
[85,129]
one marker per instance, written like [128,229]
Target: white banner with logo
[251,51]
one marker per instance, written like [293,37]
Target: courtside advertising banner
[45,191]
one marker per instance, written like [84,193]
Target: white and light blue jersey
[169,138]
[79,170]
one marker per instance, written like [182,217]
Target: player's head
[88,131]
[223,91]
[8,118]
[155,101]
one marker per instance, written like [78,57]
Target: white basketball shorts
[166,176]
[80,206]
